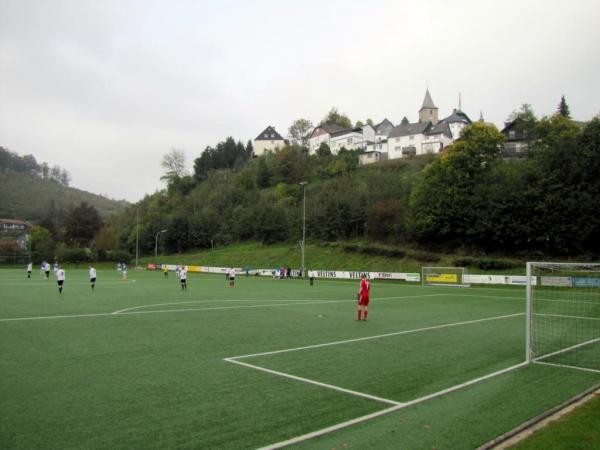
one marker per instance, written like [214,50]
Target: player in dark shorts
[60,278]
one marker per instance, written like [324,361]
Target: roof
[428,102]
[349,130]
[328,127]
[15,222]
[457,116]
[409,129]
[269,134]
[384,122]
[440,128]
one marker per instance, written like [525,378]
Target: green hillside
[30,197]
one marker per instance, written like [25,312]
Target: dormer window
[512,134]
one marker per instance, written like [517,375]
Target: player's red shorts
[363,300]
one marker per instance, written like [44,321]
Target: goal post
[563,314]
[444,276]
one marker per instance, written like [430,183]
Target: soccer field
[142,364]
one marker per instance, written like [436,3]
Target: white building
[321,134]
[351,138]
[268,140]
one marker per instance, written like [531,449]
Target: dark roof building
[269,134]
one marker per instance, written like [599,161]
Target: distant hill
[29,197]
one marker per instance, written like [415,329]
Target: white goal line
[564,350]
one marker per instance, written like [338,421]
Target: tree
[444,206]
[42,242]
[65,177]
[563,108]
[106,238]
[249,149]
[299,131]
[82,223]
[55,173]
[359,123]
[370,122]
[174,164]
[333,117]
[323,150]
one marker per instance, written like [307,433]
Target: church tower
[428,112]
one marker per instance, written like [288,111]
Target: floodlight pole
[156,242]
[137,234]
[303,184]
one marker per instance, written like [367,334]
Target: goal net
[443,276]
[563,314]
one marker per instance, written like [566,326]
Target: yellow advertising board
[442,278]
[194,268]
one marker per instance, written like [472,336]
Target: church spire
[427,101]
[428,112]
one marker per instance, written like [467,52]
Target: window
[411,137]
[349,141]
[397,139]
[512,134]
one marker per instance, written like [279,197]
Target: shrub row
[373,250]
[486,263]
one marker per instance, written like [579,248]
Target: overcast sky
[105,88]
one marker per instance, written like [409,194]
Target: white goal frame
[460,271]
[531,282]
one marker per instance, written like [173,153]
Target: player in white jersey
[92,273]
[124,271]
[60,278]
[29,269]
[183,277]
[231,277]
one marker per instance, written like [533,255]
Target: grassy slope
[157,380]
[578,430]
[28,198]
[253,254]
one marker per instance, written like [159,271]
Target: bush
[374,250]
[120,256]
[495,264]
[486,263]
[73,254]
[421,255]
[463,261]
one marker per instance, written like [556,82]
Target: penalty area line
[398,407]
[378,336]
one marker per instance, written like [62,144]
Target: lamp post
[156,242]
[137,234]
[303,184]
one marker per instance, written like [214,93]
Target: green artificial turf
[140,364]
[577,430]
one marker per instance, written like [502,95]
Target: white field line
[566,366]
[396,333]
[52,281]
[368,417]
[566,316]
[268,300]
[116,313]
[573,347]
[317,383]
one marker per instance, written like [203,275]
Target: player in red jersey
[363,297]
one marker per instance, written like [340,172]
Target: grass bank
[339,256]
